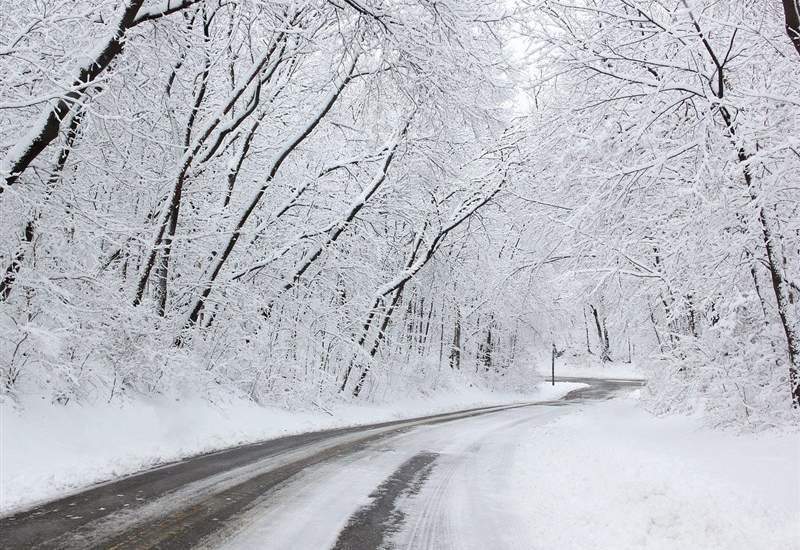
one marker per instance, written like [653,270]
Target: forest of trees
[299,201]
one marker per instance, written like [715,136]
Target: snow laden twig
[47,125]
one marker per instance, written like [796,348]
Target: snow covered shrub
[732,372]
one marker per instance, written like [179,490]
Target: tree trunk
[455,349]
[586,326]
[602,336]
[661,346]
[791,11]
[13,268]
[378,339]
[423,339]
[487,349]
[781,290]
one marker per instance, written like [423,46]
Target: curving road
[381,486]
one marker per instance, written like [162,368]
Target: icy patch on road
[48,450]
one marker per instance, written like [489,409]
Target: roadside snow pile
[612,476]
[49,450]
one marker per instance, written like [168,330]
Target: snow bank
[47,451]
[613,476]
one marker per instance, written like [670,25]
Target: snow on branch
[166,7]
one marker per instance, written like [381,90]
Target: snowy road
[438,482]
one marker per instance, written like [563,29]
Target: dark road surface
[180,504]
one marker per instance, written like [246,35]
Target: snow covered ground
[612,476]
[596,475]
[47,451]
